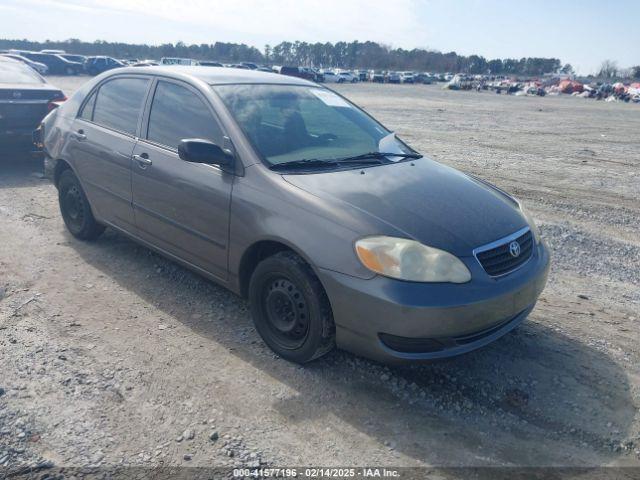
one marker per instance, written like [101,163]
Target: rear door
[181,207]
[101,144]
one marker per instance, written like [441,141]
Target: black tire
[290,308]
[75,208]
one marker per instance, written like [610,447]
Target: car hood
[424,200]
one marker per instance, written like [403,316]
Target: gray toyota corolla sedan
[286,193]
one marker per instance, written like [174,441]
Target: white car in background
[347,77]
[407,77]
[330,76]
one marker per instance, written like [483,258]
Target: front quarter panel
[266,207]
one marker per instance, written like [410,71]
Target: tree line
[340,54]
[374,55]
[224,52]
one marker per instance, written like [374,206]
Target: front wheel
[290,308]
[75,208]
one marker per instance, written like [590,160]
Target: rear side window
[87,110]
[178,113]
[119,103]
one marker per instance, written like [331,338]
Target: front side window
[119,103]
[287,123]
[178,113]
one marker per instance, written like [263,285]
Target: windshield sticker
[330,98]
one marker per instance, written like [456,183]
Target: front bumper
[394,321]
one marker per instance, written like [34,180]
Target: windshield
[288,123]
[18,72]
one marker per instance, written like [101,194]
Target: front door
[181,207]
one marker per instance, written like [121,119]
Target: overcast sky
[582,33]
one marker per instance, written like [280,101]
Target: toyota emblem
[17,95]
[514,249]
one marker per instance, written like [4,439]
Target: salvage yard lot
[111,354]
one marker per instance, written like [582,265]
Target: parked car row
[47,62]
[55,63]
[58,62]
[336,75]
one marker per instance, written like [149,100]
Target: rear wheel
[75,208]
[290,308]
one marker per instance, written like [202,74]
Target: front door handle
[143,160]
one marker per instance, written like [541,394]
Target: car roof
[219,76]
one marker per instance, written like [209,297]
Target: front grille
[497,258]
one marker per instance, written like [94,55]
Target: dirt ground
[112,355]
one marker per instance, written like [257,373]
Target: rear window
[18,72]
[119,103]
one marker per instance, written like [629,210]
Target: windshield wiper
[376,155]
[305,162]
[365,158]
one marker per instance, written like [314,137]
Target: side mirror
[196,150]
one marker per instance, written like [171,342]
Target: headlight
[532,224]
[410,260]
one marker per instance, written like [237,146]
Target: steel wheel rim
[73,206]
[286,311]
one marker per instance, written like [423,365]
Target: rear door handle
[79,135]
[143,160]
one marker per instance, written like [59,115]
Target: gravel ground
[114,356]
